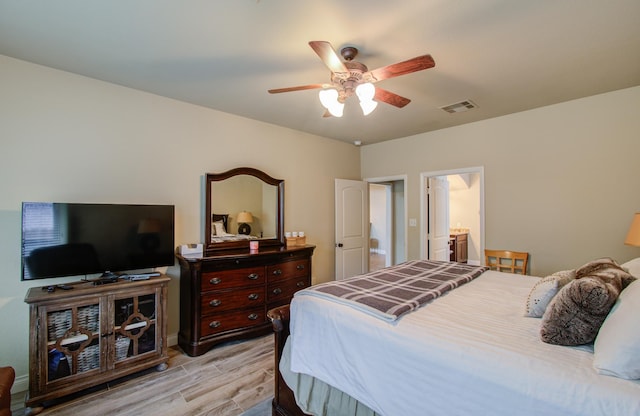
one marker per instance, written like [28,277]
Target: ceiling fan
[350,77]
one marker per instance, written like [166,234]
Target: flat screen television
[72,239]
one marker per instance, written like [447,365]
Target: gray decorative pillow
[576,313]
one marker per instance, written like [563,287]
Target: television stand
[90,335]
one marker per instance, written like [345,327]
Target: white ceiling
[504,55]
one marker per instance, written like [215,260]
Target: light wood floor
[227,380]
[376,261]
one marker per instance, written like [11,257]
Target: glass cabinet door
[73,340]
[135,326]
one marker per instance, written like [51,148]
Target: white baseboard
[172,339]
[22,382]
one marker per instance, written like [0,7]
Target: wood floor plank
[226,381]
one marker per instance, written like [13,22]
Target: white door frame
[423,205]
[402,178]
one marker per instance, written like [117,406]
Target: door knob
[339,245]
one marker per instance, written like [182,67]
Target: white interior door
[351,219]
[438,236]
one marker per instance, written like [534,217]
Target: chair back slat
[506,261]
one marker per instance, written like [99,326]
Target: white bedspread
[470,352]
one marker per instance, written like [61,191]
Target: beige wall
[561,182]
[68,138]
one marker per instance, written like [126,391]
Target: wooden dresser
[226,296]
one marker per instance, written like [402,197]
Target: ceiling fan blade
[300,88]
[328,55]
[403,68]
[390,98]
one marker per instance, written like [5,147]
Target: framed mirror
[242,205]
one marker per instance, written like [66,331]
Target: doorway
[387,222]
[464,208]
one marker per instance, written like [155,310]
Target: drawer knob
[215,281]
[300,267]
[253,276]
[277,291]
[214,324]
[277,272]
[253,316]
[253,296]
[215,302]
[301,284]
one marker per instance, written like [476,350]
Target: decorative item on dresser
[226,296]
[84,335]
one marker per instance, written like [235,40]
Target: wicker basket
[88,358]
[58,323]
[122,348]
[88,317]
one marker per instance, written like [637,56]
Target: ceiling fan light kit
[330,100]
[351,77]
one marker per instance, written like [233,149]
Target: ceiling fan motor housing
[346,82]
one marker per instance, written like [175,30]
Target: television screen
[70,239]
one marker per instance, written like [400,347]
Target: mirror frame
[214,177]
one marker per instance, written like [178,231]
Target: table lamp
[633,236]
[243,220]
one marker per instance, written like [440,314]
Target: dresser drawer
[286,288]
[287,270]
[220,301]
[226,279]
[232,320]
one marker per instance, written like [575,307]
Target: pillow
[540,296]
[633,267]
[544,290]
[218,228]
[564,277]
[576,313]
[607,269]
[616,351]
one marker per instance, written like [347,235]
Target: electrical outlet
[413,222]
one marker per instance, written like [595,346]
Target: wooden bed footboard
[284,403]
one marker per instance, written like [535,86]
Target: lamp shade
[366,91]
[368,106]
[244,217]
[329,100]
[633,236]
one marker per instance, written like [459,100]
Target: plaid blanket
[391,292]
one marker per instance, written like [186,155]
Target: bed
[470,351]
[219,227]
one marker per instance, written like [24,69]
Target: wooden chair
[506,261]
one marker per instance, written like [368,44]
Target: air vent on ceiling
[459,107]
